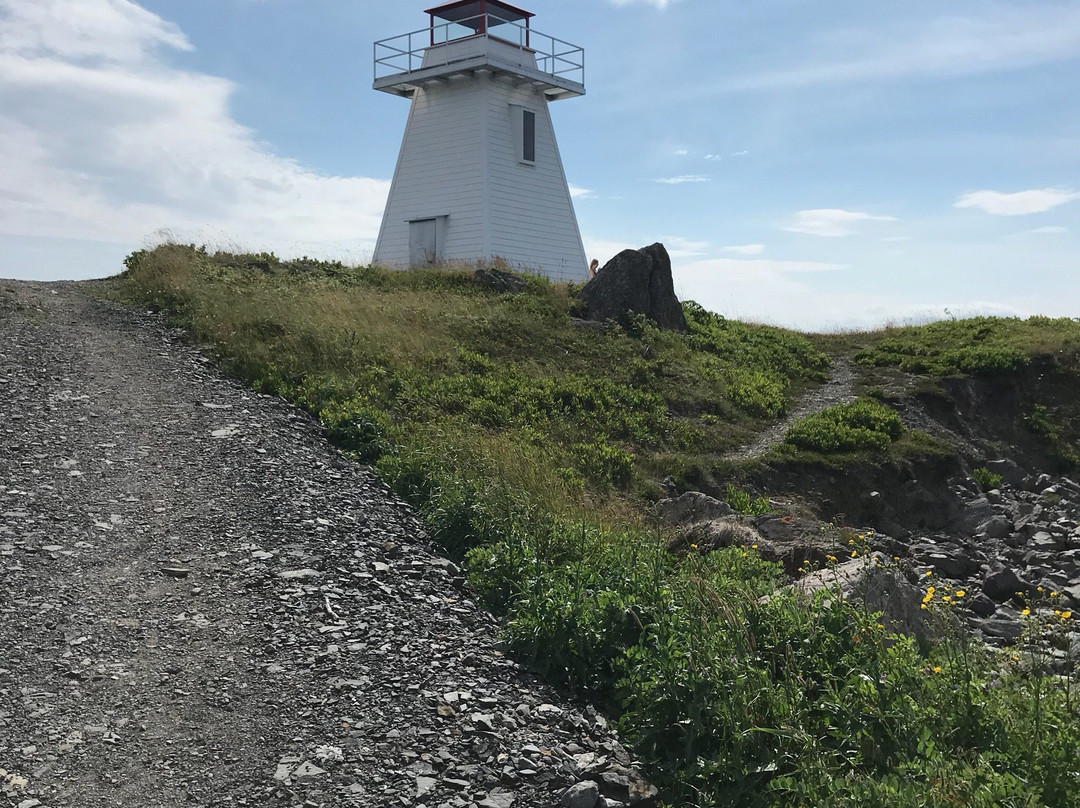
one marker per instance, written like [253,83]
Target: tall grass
[519,438]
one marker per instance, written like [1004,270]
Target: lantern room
[472,35]
[471,17]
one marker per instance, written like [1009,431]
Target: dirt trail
[839,389]
[201,603]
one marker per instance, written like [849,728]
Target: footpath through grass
[528,444]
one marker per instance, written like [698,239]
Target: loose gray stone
[1002,583]
[581,795]
[299,574]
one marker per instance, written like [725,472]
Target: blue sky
[818,165]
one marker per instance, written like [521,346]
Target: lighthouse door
[423,249]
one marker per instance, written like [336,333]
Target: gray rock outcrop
[499,280]
[883,588]
[637,281]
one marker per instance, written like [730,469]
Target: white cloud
[681,152]
[154,146]
[679,247]
[683,178]
[713,157]
[603,250]
[795,299]
[580,193]
[745,249]
[1046,231]
[832,222]
[117,31]
[1020,203]
[661,4]
[742,153]
[999,38]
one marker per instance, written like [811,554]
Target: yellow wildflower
[960,593]
[1026,612]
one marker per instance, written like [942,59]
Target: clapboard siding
[533,222]
[440,172]
[459,159]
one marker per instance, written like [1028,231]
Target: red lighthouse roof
[473,13]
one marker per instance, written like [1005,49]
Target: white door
[422,246]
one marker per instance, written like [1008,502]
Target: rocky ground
[1014,548]
[1012,554]
[203,604]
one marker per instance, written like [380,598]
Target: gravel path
[203,604]
[839,389]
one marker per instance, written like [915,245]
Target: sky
[815,165]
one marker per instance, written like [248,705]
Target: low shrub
[986,479]
[864,425]
[980,346]
[745,503]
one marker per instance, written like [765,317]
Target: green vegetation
[863,425]
[1060,425]
[523,441]
[743,502]
[986,479]
[980,346]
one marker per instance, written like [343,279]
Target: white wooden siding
[458,159]
[533,224]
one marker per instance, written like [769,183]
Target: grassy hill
[534,444]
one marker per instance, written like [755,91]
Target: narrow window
[528,136]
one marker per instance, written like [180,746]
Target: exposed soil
[202,603]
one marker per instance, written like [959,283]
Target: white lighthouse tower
[479,175]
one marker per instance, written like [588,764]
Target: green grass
[981,346]
[523,440]
[864,425]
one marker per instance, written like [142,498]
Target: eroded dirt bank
[202,603]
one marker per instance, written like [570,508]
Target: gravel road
[203,604]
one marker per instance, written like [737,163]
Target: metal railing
[405,53]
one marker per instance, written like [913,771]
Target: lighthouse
[479,176]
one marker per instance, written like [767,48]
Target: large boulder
[881,587]
[636,281]
[693,506]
